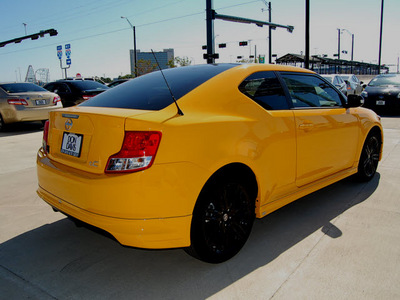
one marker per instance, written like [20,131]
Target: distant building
[162,57]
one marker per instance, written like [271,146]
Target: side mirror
[361,82]
[364,86]
[354,101]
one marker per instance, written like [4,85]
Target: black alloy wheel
[369,158]
[222,221]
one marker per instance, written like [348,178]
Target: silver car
[25,101]
[337,81]
[354,85]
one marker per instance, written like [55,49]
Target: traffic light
[204,47]
[222,45]
[244,43]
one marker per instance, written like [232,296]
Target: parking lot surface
[342,242]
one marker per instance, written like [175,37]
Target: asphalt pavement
[342,242]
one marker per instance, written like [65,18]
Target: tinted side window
[265,89]
[310,91]
[49,87]
[63,88]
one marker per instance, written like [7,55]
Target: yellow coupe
[190,157]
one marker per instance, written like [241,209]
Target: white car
[337,81]
[354,85]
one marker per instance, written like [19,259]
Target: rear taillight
[45,137]
[17,102]
[56,100]
[138,152]
[87,97]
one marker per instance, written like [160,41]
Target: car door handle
[306,126]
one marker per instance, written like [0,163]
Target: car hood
[388,90]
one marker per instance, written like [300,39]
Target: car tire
[369,158]
[222,220]
[2,125]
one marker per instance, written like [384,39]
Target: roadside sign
[68,50]
[68,60]
[59,52]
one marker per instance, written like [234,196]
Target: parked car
[337,81]
[25,101]
[354,85]
[233,143]
[382,94]
[117,82]
[73,92]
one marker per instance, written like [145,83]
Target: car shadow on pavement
[63,261]
[21,128]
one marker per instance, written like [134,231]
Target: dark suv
[73,92]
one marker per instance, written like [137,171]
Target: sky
[100,39]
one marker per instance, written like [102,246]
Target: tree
[179,62]
[106,79]
[145,66]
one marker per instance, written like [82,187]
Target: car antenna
[166,82]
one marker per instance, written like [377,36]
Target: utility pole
[338,51]
[380,40]
[307,56]
[210,16]
[270,33]
[269,8]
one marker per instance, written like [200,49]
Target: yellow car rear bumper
[136,213]
[144,233]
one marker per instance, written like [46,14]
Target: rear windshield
[88,85]
[21,87]
[150,92]
[385,81]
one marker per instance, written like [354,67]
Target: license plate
[380,102]
[40,102]
[72,144]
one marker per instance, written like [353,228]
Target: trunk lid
[35,99]
[85,137]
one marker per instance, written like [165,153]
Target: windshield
[22,87]
[150,92]
[385,80]
[345,77]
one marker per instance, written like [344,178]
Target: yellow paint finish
[291,153]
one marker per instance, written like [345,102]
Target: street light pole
[134,46]
[352,47]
